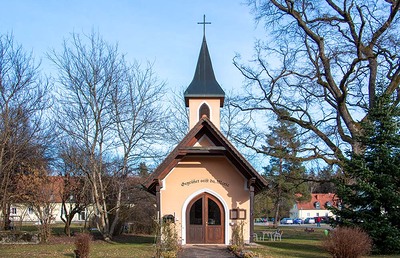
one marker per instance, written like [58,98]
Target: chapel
[205,186]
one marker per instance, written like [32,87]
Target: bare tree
[106,108]
[232,120]
[136,113]
[177,126]
[88,75]
[38,190]
[324,65]
[74,189]
[23,101]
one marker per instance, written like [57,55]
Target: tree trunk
[279,193]
[67,223]
[67,229]
[276,216]
[117,211]
[5,198]
[102,215]
[6,215]
[105,218]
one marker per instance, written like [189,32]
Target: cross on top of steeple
[204,85]
[204,24]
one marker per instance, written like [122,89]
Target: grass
[295,243]
[62,246]
[128,246]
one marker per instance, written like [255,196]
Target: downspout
[251,183]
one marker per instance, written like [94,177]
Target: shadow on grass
[118,240]
[125,239]
[130,239]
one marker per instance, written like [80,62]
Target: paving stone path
[205,251]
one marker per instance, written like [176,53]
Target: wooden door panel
[215,224]
[215,235]
[196,234]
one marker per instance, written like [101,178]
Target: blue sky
[163,32]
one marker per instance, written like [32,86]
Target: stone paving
[205,251]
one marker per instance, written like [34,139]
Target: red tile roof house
[22,212]
[316,207]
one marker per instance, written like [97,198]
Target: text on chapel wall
[204,181]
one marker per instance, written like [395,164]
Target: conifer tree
[370,195]
[285,172]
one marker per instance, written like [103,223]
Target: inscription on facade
[205,181]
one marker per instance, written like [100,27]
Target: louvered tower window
[204,110]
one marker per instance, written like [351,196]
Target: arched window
[204,110]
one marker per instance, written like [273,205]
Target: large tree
[110,110]
[321,63]
[370,193]
[23,102]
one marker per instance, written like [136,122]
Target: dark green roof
[204,84]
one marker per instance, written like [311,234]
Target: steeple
[204,84]
[204,95]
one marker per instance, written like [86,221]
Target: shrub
[168,241]
[237,235]
[45,231]
[234,248]
[82,245]
[346,242]
[169,254]
[250,254]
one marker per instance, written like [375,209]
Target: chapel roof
[204,83]
[222,147]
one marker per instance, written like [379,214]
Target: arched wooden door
[205,220]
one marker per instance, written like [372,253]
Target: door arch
[205,220]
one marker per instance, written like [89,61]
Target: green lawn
[62,246]
[133,246]
[295,243]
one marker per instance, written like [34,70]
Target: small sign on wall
[237,214]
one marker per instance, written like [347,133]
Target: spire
[204,84]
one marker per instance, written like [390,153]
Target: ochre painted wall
[194,106]
[215,175]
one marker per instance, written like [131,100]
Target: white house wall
[21,212]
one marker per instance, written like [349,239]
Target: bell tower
[204,96]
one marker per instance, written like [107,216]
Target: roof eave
[193,96]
